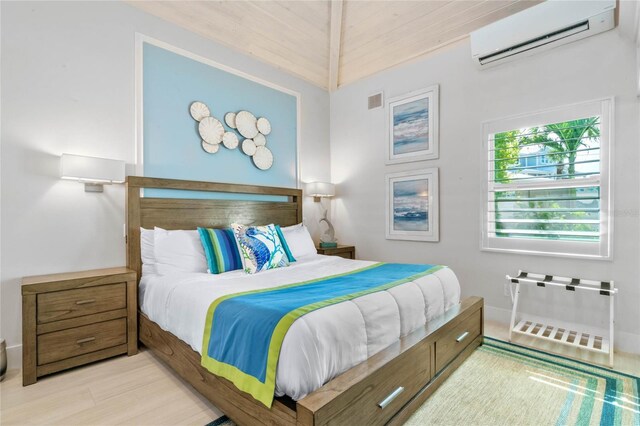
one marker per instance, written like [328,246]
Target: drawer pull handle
[462,336]
[85,340]
[85,302]
[393,395]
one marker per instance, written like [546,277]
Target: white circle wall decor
[211,130]
[230,140]
[260,140]
[264,126]
[263,158]
[248,147]
[246,124]
[199,111]
[211,148]
[252,129]
[230,119]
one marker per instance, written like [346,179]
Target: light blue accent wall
[172,146]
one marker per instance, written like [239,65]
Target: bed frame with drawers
[385,389]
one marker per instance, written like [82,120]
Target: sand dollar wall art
[251,129]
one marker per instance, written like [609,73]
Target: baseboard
[14,357]
[624,341]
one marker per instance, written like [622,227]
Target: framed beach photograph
[412,205]
[413,126]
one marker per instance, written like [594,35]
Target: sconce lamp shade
[93,171]
[320,189]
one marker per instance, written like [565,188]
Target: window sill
[608,258]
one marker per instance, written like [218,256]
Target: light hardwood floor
[140,390]
[137,390]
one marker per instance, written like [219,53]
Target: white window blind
[547,183]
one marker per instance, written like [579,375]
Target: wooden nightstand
[348,252]
[76,318]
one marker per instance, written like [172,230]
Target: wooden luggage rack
[571,336]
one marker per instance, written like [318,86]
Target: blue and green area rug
[506,384]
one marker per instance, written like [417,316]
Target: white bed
[320,345]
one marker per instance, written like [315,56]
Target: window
[547,182]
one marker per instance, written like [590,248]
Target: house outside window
[547,182]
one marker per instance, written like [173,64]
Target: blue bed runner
[244,331]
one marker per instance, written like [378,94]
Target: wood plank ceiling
[334,42]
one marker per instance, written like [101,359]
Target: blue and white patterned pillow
[260,247]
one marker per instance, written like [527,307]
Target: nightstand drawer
[348,252]
[81,340]
[61,305]
[346,255]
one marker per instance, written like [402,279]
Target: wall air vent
[375,101]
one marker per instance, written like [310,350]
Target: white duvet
[320,345]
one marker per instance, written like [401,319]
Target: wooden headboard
[182,213]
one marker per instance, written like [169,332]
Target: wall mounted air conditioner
[541,27]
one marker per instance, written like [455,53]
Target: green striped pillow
[221,250]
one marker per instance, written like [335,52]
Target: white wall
[68,86]
[636,32]
[600,66]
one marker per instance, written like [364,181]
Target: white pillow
[299,240]
[178,251]
[146,251]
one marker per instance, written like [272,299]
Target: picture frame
[412,211]
[413,126]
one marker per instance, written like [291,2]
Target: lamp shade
[320,189]
[91,169]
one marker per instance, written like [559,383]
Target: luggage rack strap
[605,288]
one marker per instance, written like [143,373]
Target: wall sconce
[92,171]
[320,190]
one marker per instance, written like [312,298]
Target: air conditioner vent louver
[539,28]
[536,42]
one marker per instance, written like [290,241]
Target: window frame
[603,249]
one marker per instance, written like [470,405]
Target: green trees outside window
[545,181]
